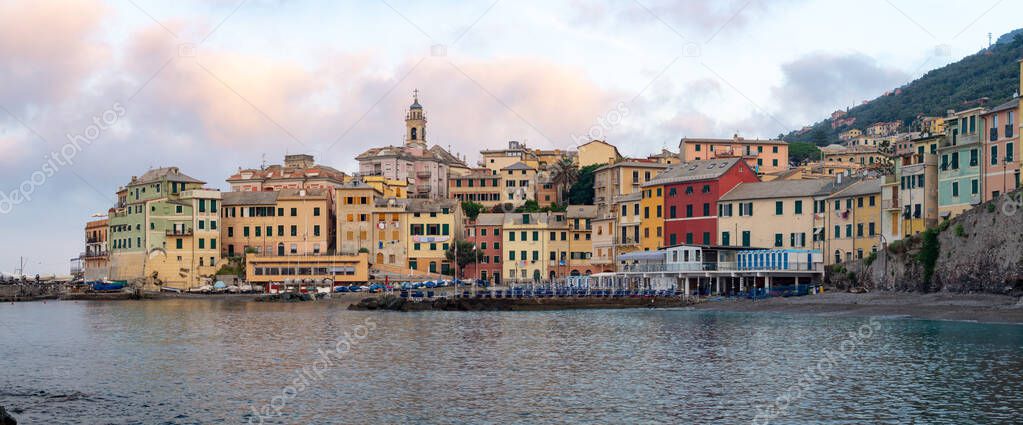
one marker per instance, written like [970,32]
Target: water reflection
[200,361]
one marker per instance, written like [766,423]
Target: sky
[95,92]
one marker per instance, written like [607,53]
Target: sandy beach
[986,308]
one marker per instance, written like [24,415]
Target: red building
[692,190]
[485,233]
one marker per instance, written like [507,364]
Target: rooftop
[706,169]
[776,189]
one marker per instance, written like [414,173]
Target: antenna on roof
[262,162]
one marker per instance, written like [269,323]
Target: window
[974,186]
[726,238]
[294,212]
[798,206]
[779,207]
[316,212]
[778,239]
[316,230]
[994,154]
[178,243]
[294,230]
[955,188]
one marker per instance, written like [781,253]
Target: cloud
[698,18]
[57,59]
[817,83]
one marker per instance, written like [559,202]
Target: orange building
[764,156]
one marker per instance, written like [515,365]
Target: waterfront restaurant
[715,270]
[310,272]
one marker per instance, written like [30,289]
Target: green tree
[472,209]
[581,193]
[466,254]
[886,165]
[531,206]
[564,174]
[800,152]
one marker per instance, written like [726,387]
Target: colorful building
[622,178]
[691,193]
[482,186]
[774,214]
[627,224]
[496,159]
[96,258]
[519,183]
[298,172]
[651,237]
[598,152]
[164,231]
[959,171]
[580,245]
[853,221]
[603,238]
[763,156]
[432,226]
[306,272]
[485,235]
[1000,168]
[525,247]
[917,197]
[280,223]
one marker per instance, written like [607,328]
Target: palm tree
[564,174]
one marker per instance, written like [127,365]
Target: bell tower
[415,123]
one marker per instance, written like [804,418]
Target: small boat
[169,289]
[109,285]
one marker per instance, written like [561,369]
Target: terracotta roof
[734,140]
[436,153]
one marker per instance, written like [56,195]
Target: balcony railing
[725,266]
[1008,130]
[179,232]
[993,134]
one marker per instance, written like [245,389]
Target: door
[280,249]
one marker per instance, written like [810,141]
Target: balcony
[93,254]
[993,134]
[1008,131]
[722,266]
[423,174]
[179,232]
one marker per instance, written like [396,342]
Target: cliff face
[979,251]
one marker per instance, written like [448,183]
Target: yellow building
[774,214]
[482,186]
[630,217]
[278,223]
[497,159]
[603,239]
[276,274]
[558,245]
[651,236]
[388,188]
[854,225]
[525,247]
[863,156]
[580,246]
[356,204]
[622,178]
[432,227]
[519,183]
[598,152]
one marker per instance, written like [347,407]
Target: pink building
[1001,143]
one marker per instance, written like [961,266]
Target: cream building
[280,223]
[622,178]
[774,214]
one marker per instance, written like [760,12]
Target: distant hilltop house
[837,114]
[842,122]
[882,129]
[850,134]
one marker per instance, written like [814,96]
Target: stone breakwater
[393,303]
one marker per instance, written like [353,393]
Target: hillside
[992,73]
